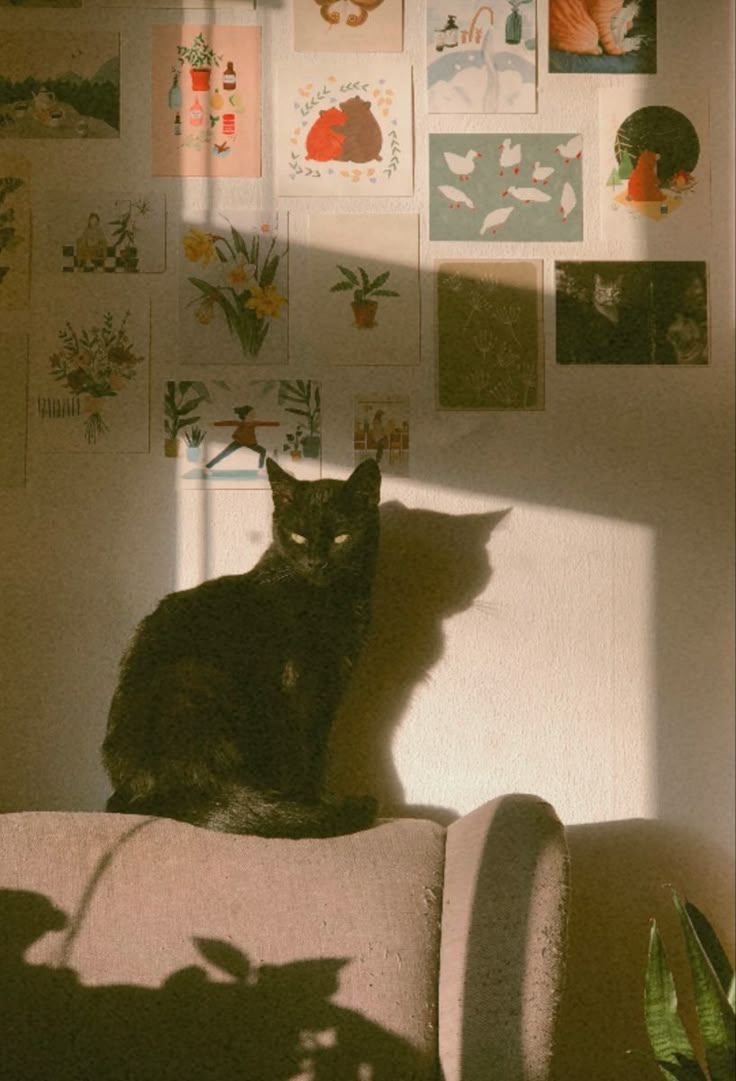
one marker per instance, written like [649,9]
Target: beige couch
[146,950]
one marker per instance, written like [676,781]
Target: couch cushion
[144,948]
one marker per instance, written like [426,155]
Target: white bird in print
[573,148]
[568,201]
[455,196]
[462,165]
[494,219]
[510,156]
[541,172]
[527,195]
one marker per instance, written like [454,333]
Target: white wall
[593,666]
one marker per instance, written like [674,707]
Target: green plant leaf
[673,1052]
[340,287]
[365,281]
[352,278]
[715,1016]
[713,948]
[385,293]
[378,282]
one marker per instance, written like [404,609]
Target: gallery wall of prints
[331,231]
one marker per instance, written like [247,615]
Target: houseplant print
[236,298]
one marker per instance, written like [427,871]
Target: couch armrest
[503,932]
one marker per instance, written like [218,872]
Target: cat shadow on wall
[430,566]
[248,1022]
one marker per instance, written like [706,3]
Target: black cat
[226,697]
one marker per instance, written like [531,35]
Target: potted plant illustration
[180,401]
[241,282]
[125,229]
[194,439]
[293,443]
[302,398]
[514,23]
[201,58]
[364,290]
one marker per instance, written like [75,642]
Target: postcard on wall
[90,377]
[14,376]
[618,38]
[98,232]
[233,289]
[219,431]
[490,351]
[344,128]
[654,168]
[482,58]
[59,84]
[632,312]
[15,232]
[349,26]
[505,187]
[381,431]
[357,290]
[206,100]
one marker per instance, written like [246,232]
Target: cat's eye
[298,538]
[341,538]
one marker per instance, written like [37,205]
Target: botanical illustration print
[348,26]
[510,187]
[14,379]
[345,130]
[59,85]
[356,289]
[233,290]
[205,100]
[104,232]
[489,335]
[653,162]
[482,58]
[90,389]
[381,431]
[603,37]
[220,431]
[15,233]
[632,313]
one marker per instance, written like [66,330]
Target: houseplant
[194,439]
[181,399]
[201,58]
[712,978]
[293,443]
[364,290]
[241,282]
[125,228]
[302,398]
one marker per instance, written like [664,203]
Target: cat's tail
[241,809]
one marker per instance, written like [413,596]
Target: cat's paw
[630,45]
[357,813]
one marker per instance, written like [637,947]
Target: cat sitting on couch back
[227,693]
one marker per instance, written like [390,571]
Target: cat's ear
[365,482]
[283,485]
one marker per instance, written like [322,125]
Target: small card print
[506,187]
[654,162]
[348,26]
[344,129]
[89,378]
[632,312]
[15,233]
[104,232]
[489,335]
[206,100]
[618,38]
[59,84]
[360,273]
[381,431]
[233,291]
[14,379]
[220,431]
[481,59]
